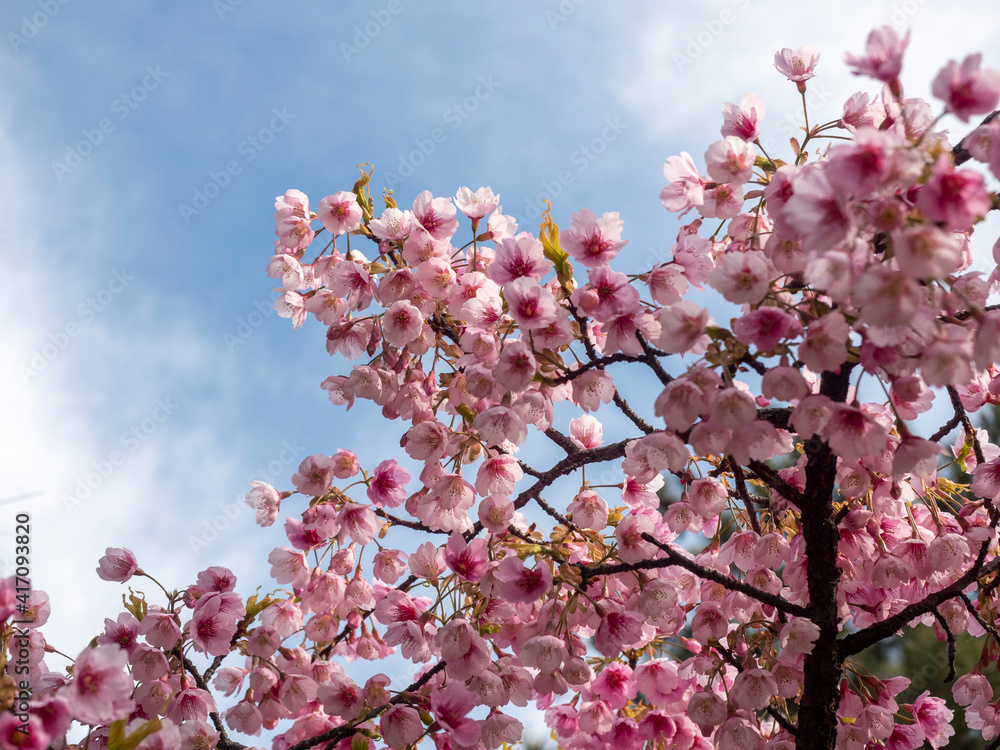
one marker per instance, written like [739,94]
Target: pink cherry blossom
[100,690]
[212,629]
[933,718]
[594,241]
[293,220]
[339,212]
[468,561]
[435,215]
[686,189]
[264,499]
[450,706]
[388,484]
[518,583]
[883,57]
[393,224]
[476,204]
[520,256]
[117,564]
[796,64]
[953,197]
[730,160]
[743,121]
[965,89]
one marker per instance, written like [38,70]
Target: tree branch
[336,735]
[860,640]
[775,482]
[674,558]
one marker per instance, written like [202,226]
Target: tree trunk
[821,693]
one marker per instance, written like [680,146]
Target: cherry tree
[813,517]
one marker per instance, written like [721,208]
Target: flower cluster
[811,520]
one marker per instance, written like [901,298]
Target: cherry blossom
[654,526]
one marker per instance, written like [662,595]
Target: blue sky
[139,350]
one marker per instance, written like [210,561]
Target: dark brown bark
[820,695]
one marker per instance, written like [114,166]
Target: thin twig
[951,645]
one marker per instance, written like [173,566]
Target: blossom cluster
[812,520]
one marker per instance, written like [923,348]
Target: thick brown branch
[561,440]
[860,640]
[675,558]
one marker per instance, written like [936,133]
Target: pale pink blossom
[159,628]
[450,706]
[628,534]
[393,224]
[967,90]
[784,383]
[682,327]
[825,345]
[293,220]
[861,110]
[288,269]
[883,57]
[886,297]
[401,726]
[468,561]
[926,252]
[435,215]
[815,211]
[477,204]
[706,709]
[588,510]
[100,690]
[796,65]
[530,305]
[657,680]
[357,522]
[730,160]
[753,689]
[289,566]
[592,388]
[743,121]
[586,432]
[212,628]
[667,284]
[686,189]
[340,212]
[517,583]
[516,367]
[265,500]
[341,697]
[956,198]
[402,323]
[765,327]
[350,279]
[499,729]
[738,734]
[117,564]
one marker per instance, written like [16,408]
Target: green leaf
[118,741]
[548,235]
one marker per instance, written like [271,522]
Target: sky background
[142,148]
